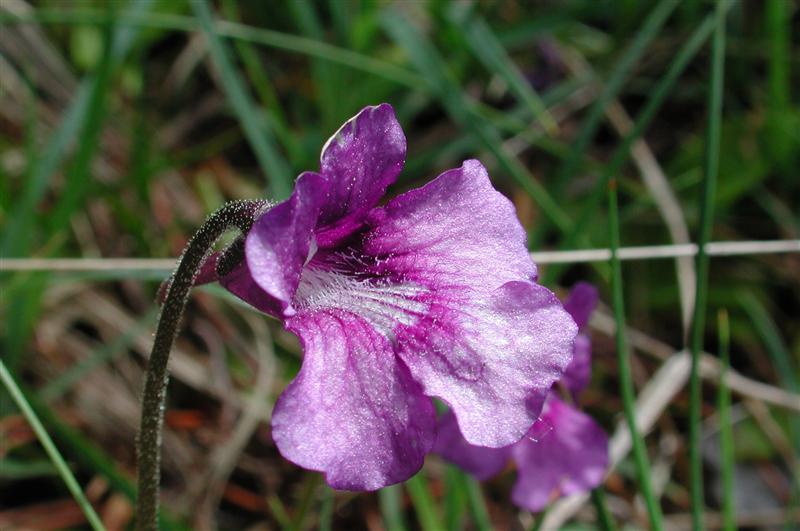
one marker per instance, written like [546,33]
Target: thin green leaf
[257,132]
[477,505]
[603,514]
[326,511]
[487,48]
[454,499]
[725,424]
[273,39]
[650,28]
[711,169]
[50,448]
[433,68]
[390,499]
[621,154]
[624,366]
[424,504]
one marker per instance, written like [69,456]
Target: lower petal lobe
[492,358]
[571,458]
[353,412]
[480,461]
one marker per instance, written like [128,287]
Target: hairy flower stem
[237,214]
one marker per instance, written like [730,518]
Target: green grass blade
[433,68]
[424,504]
[262,86]
[650,28]
[104,353]
[264,37]
[487,48]
[390,499]
[621,154]
[17,232]
[326,510]
[258,134]
[50,448]
[623,361]
[778,353]
[603,514]
[454,499]
[477,505]
[778,28]
[710,171]
[725,427]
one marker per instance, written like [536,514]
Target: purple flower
[569,456]
[431,295]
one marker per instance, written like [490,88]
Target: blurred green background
[124,123]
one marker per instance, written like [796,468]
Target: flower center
[382,303]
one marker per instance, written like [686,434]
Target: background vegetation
[124,123]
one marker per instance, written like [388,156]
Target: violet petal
[278,246]
[353,412]
[360,161]
[571,458]
[581,302]
[480,461]
[493,359]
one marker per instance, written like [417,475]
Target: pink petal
[571,458]
[277,247]
[360,160]
[480,461]
[353,412]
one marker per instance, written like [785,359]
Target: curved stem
[237,214]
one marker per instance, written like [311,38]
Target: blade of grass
[18,227]
[265,37]
[778,26]
[621,154]
[258,134]
[104,353]
[326,511]
[424,504]
[487,48]
[623,362]
[711,169]
[477,505]
[725,427]
[309,490]
[432,66]
[603,514]
[390,499]
[650,28]
[323,75]
[50,448]
[778,353]
[257,75]
[454,499]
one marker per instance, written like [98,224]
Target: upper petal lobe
[360,161]
[455,232]
[278,245]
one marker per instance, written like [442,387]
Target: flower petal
[353,412]
[579,372]
[571,458]
[492,358]
[581,302]
[455,232]
[480,461]
[277,247]
[360,160]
